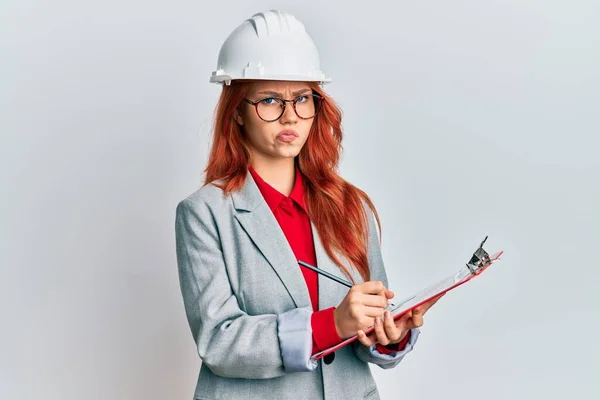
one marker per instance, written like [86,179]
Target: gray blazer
[249,309]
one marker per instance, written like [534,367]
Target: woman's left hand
[390,331]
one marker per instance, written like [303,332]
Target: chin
[289,154]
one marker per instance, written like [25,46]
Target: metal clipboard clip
[479,260]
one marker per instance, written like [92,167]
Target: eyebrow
[296,93]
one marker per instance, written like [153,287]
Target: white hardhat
[271,45]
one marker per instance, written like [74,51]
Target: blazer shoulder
[208,195]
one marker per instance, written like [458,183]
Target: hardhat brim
[226,79]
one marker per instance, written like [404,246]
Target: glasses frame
[316,96]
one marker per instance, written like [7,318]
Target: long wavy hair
[333,204]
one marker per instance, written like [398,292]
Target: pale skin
[273,159]
[365,303]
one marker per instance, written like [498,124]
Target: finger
[371,287]
[364,339]
[373,300]
[423,308]
[382,337]
[419,311]
[417,320]
[407,315]
[372,312]
[392,332]
[402,323]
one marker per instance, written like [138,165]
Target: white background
[462,119]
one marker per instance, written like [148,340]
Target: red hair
[333,204]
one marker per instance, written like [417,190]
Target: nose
[289,114]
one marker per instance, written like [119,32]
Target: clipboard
[479,262]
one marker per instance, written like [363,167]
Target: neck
[278,173]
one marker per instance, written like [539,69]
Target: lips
[287,133]
[287,136]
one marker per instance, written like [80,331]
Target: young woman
[272,197]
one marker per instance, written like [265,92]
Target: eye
[302,99]
[269,101]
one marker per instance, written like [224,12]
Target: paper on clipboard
[462,276]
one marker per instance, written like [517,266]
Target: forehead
[283,87]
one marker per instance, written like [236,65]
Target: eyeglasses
[270,109]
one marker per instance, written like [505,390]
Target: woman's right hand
[363,302]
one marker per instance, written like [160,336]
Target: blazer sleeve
[230,342]
[370,353]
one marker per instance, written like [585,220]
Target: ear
[237,117]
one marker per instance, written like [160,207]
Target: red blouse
[290,213]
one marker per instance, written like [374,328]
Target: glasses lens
[270,109]
[306,106]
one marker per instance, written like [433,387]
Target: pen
[330,276]
[325,273]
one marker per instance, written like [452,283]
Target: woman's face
[284,137]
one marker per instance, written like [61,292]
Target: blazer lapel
[260,224]
[331,293]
